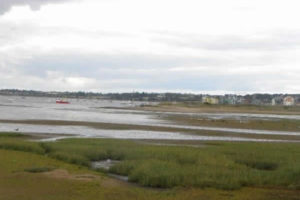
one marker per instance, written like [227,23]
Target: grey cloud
[6,5]
[14,33]
[11,33]
[133,72]
[131,66]
[277,40]
[145,71]
[89,64]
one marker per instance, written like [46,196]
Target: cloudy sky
[201,46]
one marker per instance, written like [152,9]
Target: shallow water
[18,108]
[40,108]
[104,164]
[86,132]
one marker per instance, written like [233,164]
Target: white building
[288,101]
[273,103]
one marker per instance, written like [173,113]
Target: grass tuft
[39,169]
[8,134]
[260,165]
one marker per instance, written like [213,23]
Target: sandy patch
[64,174]
[104,181]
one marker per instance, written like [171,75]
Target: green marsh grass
[223,165]
[18,144]
[11,134]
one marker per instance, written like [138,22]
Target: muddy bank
[200,108]
[174,128]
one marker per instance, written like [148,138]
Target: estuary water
[107,111]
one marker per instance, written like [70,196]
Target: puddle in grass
[106,165]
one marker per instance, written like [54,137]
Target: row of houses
[250,100]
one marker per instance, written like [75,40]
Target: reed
[221,165]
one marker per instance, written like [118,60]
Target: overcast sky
[201,46]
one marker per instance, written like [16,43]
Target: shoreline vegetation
[192,98]
[214,170]
[254,124]
[198,107]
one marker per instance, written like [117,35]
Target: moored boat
[62,102]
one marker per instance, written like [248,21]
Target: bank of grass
[221,165]
[22,177]
[199,107]
[274,125]
[11,135]
[16,184]
[16,141]
[19,144]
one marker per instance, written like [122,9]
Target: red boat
[62,102]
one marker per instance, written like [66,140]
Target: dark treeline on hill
[143,96]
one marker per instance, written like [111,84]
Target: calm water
[79,110]
[37,108]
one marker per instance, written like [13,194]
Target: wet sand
[70,126]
